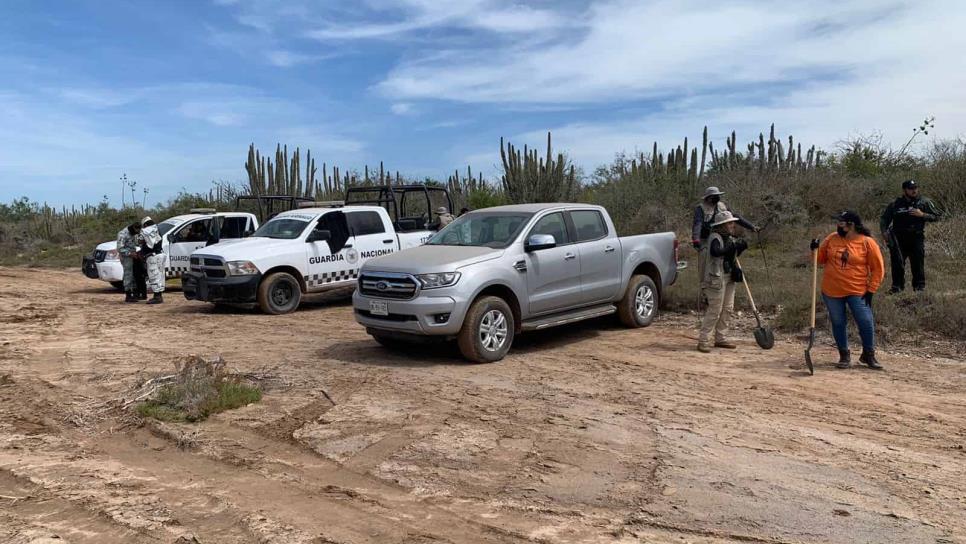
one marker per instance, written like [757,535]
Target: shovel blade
[765,337]
[808,352]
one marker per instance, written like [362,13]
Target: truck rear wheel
[279,293]
[487,331]
[638,307]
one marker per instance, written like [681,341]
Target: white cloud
[417,15]
[402,108]
[96,98]
[822,70]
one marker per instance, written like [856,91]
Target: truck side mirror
[319,236]
[537,242]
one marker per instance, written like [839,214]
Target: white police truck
[297,252]
[181,236]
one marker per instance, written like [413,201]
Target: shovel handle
[814,284]
[748,290]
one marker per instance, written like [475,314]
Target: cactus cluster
[462,188]
[530,178]
[284,176]
[770,156]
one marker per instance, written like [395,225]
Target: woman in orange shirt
[853,271]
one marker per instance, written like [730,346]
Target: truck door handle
[608,249]
[388,241]
[347,246]
[569,256]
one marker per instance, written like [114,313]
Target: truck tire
[279,293]
[640,303]
[119,285]
[487,331]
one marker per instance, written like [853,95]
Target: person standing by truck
[127,248]
[852,272]
[719,276]
[153,256]
[903,227]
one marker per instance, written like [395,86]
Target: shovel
[763,335]
[811,330]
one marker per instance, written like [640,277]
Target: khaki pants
[717,315]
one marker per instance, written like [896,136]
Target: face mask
[840,231]
[715,199]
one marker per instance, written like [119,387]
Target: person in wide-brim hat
[720,273]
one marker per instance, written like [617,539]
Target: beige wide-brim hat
[441,210]
[712,191]
[724,217]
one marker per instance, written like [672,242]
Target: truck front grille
[212,267]
[386,285]
[99,255]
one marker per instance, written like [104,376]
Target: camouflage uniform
[127,247]
[155,259]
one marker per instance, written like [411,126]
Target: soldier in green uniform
[127,249]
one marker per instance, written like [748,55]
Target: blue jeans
[862,314]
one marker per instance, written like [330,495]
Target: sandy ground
[589,433]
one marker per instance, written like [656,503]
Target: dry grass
[199,388]
[782,291]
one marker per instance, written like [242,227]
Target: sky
[171,93]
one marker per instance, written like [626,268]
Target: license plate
[378,307]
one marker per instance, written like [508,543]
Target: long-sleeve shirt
[705,213]
[127,243]
[852,267]
[897,217]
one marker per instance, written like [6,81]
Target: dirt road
[589,433]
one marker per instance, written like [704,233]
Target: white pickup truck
[297,252]
[181,236]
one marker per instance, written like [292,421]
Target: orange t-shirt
[852,267]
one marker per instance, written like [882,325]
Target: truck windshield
[481,229]
[164,227]
[282,229]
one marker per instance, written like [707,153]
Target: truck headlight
[442,279]
[241,268]
[111,255]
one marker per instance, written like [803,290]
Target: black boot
[845,359]
[142,295]
[868,358]
[157,299]
[130,297]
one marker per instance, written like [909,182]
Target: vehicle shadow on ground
[369,352]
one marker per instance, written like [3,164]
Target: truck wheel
[487,331]
[119,285]
[638,307]
[279,293]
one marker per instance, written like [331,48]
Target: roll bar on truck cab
[297,252]
[497,272]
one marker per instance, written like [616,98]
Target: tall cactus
[530,178]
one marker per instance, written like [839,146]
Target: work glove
[740,245]
[815,243]
[867,297]
[696,244]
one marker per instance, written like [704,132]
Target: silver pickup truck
[497,272]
